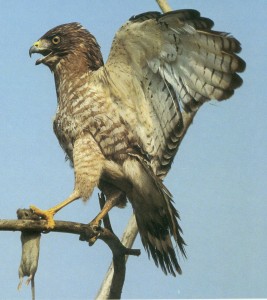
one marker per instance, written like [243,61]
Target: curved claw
[48,215]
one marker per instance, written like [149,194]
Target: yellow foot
[45,214]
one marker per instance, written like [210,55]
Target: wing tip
[145,16]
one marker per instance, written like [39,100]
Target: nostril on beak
[36,44]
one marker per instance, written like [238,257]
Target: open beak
[40,47]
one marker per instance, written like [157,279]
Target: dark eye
[56,40]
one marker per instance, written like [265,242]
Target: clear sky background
[218,179]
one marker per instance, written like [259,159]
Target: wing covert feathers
[170,63]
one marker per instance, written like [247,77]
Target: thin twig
[164,6]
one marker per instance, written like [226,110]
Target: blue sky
[218,179]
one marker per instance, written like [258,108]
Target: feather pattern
[181,63]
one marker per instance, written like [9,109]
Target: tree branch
[40,225]
[164,6]
[86,233]
[127,240]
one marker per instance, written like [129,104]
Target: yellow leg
[49,213]
[112,200]
[108,206]
[110,203]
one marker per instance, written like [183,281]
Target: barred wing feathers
[164,64]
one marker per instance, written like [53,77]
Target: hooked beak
[40,47]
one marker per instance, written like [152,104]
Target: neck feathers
[75,68]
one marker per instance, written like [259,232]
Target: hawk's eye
[56,40]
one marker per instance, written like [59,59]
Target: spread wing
[163,64]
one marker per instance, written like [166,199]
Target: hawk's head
[70,39]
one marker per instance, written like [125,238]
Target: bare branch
[164,6]
[86,232]
[108,283]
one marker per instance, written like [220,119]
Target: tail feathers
[156,217]
[163,254]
